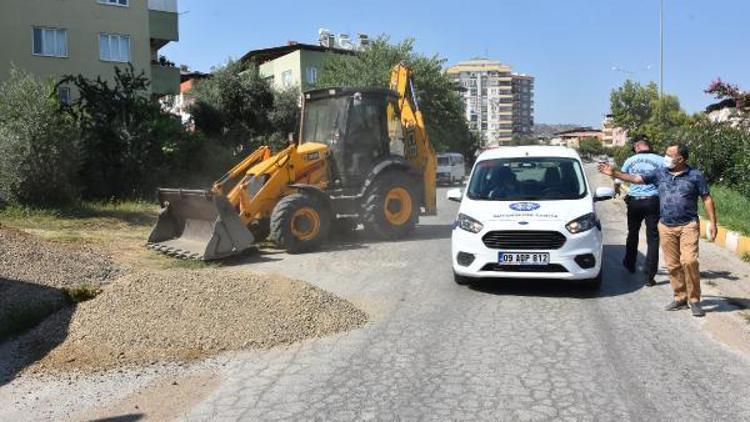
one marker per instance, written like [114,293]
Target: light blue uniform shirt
[642,164]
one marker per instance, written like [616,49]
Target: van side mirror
[454,195]
[604,194]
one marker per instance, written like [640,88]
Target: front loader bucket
[197,224]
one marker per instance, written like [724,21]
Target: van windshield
[443,161]
[527,178]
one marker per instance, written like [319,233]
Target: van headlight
[469,224]
[582,224]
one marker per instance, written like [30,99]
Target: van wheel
[391,207]
[299,223]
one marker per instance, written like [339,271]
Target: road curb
[732,241]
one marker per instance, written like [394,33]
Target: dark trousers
[638,211]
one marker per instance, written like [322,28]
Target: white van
[450,168]
[528,212]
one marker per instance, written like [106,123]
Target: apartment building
[53,38]
[499,103]
[523,104]
[613,136]
[292,65]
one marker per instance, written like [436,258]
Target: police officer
[643,205]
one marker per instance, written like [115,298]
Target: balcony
[163,22]
[163,5]
[165,80]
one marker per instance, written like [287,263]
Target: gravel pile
[179,315]
[27,258]
[33,270]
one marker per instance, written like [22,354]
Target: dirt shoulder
[150,308]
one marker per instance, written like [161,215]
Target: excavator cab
[354,124]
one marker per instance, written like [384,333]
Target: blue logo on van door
[524,206]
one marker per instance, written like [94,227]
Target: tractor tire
[391,207]
[299,223]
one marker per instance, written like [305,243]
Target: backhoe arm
[228,181]
[417,147]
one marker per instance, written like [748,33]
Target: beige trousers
[680,248]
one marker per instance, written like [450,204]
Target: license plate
[520,258]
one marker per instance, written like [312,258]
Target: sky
[570,46]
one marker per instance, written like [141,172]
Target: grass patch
[165,262]
[746,256]
[81,293]
[85,215]
[732,209]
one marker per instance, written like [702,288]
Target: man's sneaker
[650,282]
[676,305]
[697,309]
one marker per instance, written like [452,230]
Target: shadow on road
[724,303]
[25,308]
[124,418]
[342,241]
[616,281]
[713,275]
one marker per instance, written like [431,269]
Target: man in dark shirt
[679,186]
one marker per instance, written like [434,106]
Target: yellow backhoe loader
[362,156]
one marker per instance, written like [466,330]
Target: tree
[123,134]
[440,103]
[722,90]
[239,108]
[233,105]
[524,140]
[284,117]
[590,146]
[631,104]
[39,155]
[639,109]
[725,91]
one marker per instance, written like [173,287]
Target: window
[123,3]
[63,93]
[52,42]
[311,74]
[286,78]
[114,47]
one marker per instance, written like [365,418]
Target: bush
[722,152]
[39,155]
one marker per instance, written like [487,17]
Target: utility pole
[661,48]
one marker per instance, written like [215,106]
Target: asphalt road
[516,351]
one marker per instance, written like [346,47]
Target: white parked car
[450,168]
[528,212]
